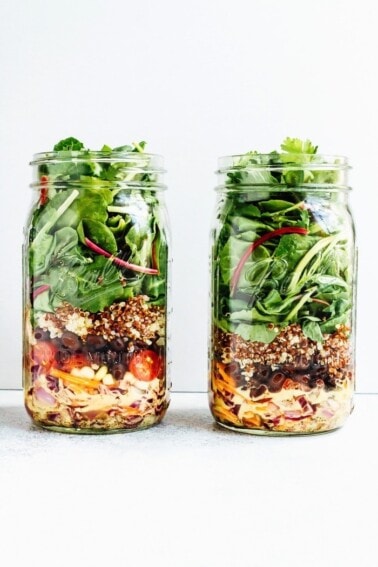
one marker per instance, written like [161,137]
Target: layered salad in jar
[283,276]
[95,308]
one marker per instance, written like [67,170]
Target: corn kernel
[84,372]
[108,380]
[101,372]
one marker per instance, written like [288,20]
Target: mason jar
[283,295]
[95,291]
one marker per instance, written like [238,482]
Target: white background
[196,79]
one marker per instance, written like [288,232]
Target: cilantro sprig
[297,163]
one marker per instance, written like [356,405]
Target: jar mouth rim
[145,161]
[153,187]
[264,161]
[303,188]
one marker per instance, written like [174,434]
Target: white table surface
[187,494]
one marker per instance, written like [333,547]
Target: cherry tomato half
[44,190]
[43,353]
[145,365]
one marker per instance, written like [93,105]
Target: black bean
[318,371]
[41,335]
[140,345]
[62,356]
[233,369]
[118,371]
[256,392]
[276,381]
[95,342]
[118,344]
[331,381]
[302,379]
[126,357]
[97,358]
[70,341]
[81,351]
[112,357]
[56,342]
[263,373]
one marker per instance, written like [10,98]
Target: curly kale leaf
[69,145]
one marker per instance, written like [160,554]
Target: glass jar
[283,295]
[95,292]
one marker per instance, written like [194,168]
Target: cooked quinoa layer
[133,318]
[290,348]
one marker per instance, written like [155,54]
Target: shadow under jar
[283,295]
[95,292]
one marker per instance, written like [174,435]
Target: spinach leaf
[242,224]
[99,233]
[39,256]
[42,303]
[249,211]
[275,205]
[64,240]
[292,247]
[139,239]
[52,213]
[65,169]
[255,268]
[155,287]
[274,304]
[42,245]
[85,202]
[313,331]
[331,325]
[252,316]
[90,286]
[117,224]
[258,332]
[248,171]
[304,278]
[92,203]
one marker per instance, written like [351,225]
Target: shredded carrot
[253,419]
[226,415]
[131,411]
[226,377]
[227,385]
[224,387]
